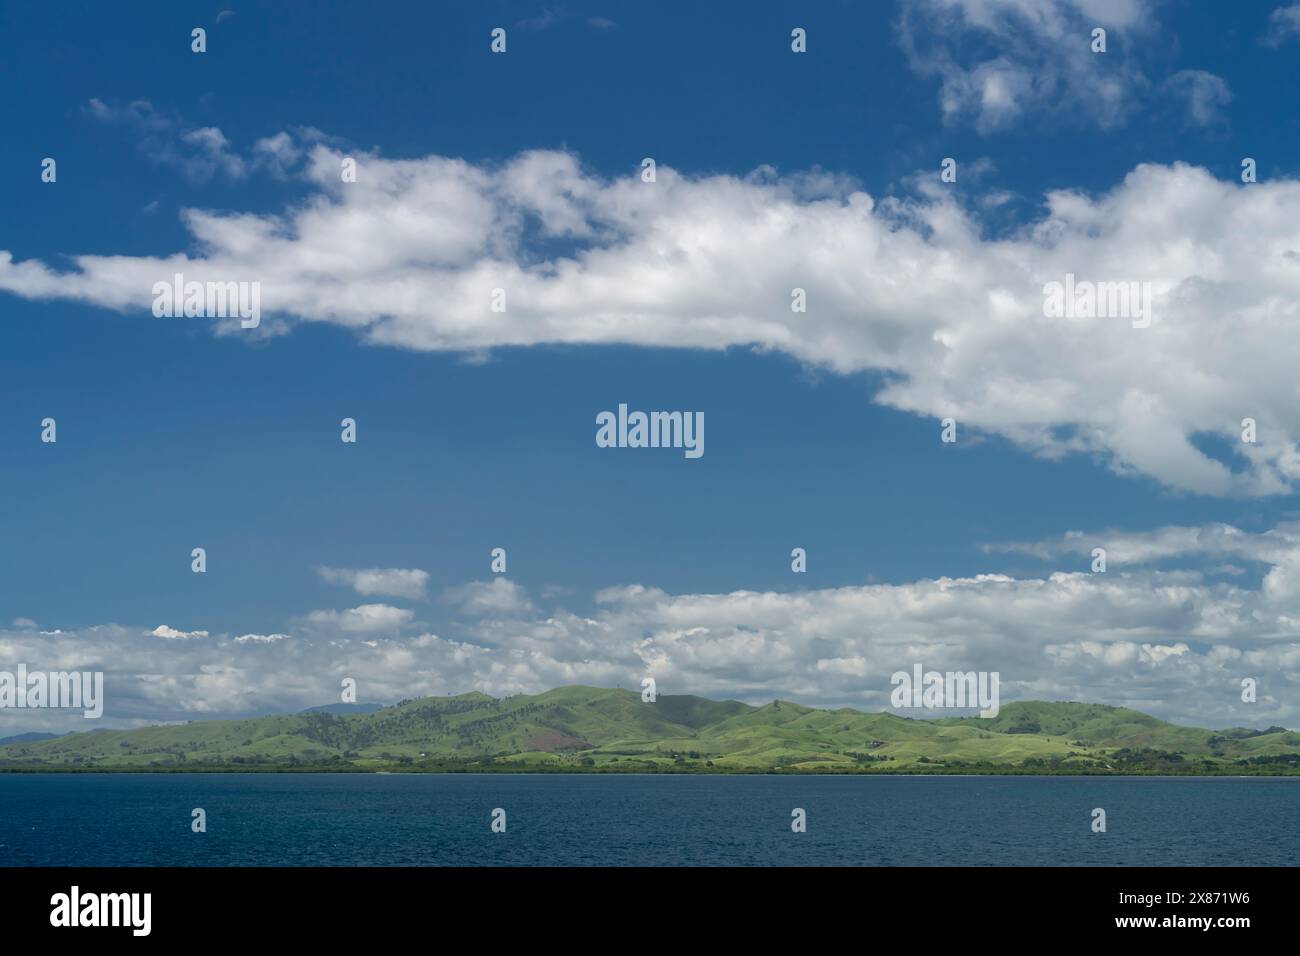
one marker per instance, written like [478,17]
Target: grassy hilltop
[592,729]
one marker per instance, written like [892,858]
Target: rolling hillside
[591,729]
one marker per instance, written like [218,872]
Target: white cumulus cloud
[913,288]
[172,634]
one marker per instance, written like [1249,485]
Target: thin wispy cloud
[1283,26]
[999,61]
[549,17]
[198,153]
[386,582]
[362,619]
[1206,96]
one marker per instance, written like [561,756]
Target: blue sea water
[584,819]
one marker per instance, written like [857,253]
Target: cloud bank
[1149,633]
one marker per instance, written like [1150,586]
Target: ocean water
[585,819]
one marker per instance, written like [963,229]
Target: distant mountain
[341,709]
[590,729]
[27,738]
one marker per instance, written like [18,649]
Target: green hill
[592,729]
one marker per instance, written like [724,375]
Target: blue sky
[171,436]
